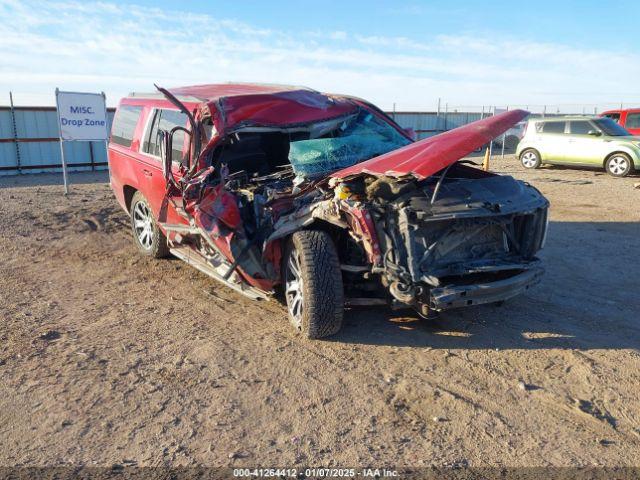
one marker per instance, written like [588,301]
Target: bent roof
[243,104]
[213,92]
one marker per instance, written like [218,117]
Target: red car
[322,199]
[628,118]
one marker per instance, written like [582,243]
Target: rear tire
[530,158]
[146,233]
[313,284]
[619,165]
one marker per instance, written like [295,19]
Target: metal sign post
[64,164]
[81,117]
[106,138]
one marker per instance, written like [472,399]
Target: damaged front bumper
[477,244]
[455,296]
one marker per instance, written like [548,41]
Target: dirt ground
[107,357]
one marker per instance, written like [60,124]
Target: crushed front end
[463,237]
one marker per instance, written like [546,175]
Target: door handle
[147,173]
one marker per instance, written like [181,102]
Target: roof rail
[158,95]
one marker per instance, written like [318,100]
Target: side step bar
[196,260]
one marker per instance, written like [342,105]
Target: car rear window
[124,124]
[553,127]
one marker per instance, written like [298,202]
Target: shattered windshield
[339,144]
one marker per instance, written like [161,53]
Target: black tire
[152,243]
[530,158]
[321,294]
[618,164]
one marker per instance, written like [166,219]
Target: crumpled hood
[426,157]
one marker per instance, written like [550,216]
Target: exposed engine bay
[403,241]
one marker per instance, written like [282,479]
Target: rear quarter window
[124,125]
[165,120]
[553,127]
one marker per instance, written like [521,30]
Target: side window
[553,127]
[166,120]
[150,144]
[613,116]
[124,124]
[633,120]
[580,128]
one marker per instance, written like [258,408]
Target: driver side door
[584,149]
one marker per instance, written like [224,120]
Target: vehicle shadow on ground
[581,302]
[598,171]
[482,328]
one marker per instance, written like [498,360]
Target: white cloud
[97,46]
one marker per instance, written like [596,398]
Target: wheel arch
[525,149]
[277,243]
[128,192]
[334,230]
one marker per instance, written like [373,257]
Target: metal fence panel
[428,124]
[8,157]
[8,161]
[38,144]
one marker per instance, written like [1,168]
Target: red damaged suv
[323,198]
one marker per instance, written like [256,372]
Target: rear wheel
[530,158]
[313,284]
[146,233]
[619,165]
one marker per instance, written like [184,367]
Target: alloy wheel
[529,159]
[618,165]
[293,288]
[143,225]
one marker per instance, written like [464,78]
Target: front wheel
[619,165]
[530,158]
[313,284]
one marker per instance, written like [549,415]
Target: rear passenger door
[555,142]
[162,119]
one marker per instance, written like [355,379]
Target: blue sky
[568,55]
